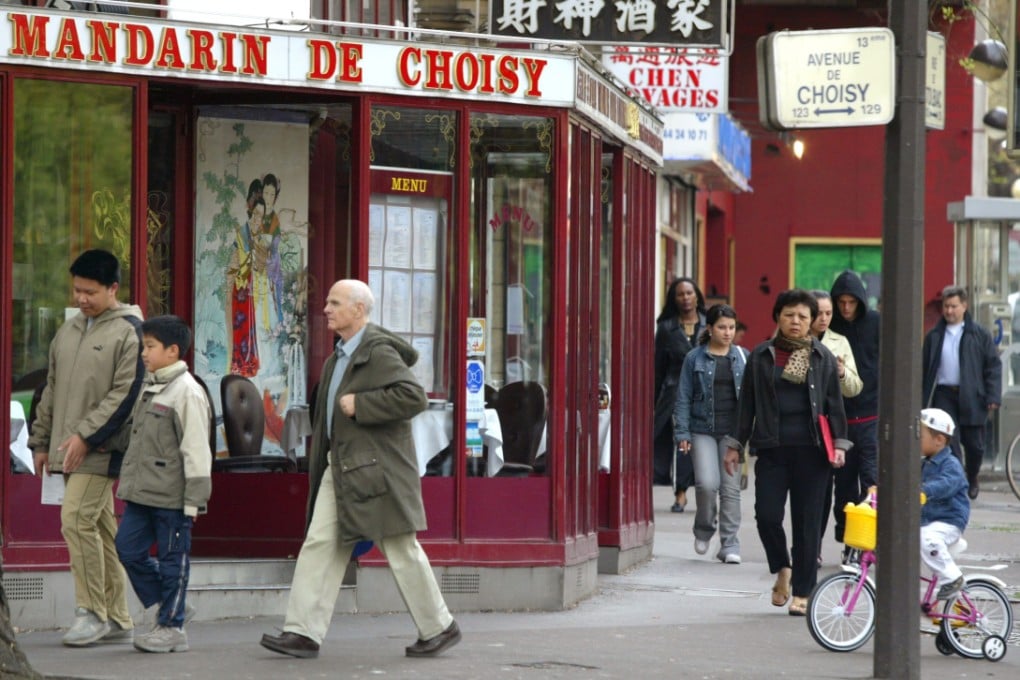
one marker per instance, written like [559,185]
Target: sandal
[798,607]
[781,590]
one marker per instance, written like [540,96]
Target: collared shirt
[949,362]
[343,350]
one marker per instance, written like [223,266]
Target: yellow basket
[861,526]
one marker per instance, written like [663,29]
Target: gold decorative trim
[447,128]
[477,125]
[377,123]
[544,134]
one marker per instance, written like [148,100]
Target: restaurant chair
[522,414]
[244,426]
[212,414]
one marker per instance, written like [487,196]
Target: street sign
[833,78]
[935,82]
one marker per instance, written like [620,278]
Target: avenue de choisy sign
[831,78]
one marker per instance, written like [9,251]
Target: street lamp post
[897,639]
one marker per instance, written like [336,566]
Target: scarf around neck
[796,367]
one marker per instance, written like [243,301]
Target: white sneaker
[87,629]
[732,558]
[150,617]
[700,546]
[118,633]
[163,639]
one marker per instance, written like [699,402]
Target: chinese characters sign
[672,79]
[671,22]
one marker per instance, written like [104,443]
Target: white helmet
[938,420]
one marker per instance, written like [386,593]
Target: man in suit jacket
[963,377]
[363,481]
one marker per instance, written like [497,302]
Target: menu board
[404,249]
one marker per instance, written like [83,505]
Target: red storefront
[498,194]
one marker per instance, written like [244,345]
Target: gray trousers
[717,494]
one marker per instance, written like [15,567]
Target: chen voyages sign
[835,78]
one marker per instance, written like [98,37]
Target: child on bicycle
[946,511]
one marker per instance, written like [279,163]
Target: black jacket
[980,369]
[758,411]
[863,335]
[671,347]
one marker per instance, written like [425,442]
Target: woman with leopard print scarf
[789,382]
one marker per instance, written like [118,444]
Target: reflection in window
[606,274]
[510,282]
[72,192]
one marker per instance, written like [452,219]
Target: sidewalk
[678,615]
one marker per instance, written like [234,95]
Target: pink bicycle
[975,623]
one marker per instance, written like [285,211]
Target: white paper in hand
[52,489]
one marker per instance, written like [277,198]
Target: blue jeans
[718,494]
[163,580]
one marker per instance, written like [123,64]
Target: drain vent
[460,583]
[23,588]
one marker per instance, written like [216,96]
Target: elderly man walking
[963,377]
[363,481]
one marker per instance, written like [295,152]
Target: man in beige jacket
[95,374]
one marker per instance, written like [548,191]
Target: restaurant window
[606,280]
[159,212]
[411,259]
[510,278]
[72,192]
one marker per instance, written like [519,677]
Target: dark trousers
[853,479]
[971,436]
[802,473]
[163,580]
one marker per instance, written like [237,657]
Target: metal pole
[897,635]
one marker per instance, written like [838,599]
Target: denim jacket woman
[695,406]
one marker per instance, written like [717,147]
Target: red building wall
[836,189]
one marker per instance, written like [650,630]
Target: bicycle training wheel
[991,615]
[1013,466]
[836,620]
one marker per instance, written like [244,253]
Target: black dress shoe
[292,644]
[437,645]
[974,489]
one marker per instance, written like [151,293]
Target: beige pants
[323,560]
[89,528]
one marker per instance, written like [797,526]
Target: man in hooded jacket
[363,481]
[860,326]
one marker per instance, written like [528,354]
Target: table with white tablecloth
[432,431]
[20,453]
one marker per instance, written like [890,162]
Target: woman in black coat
[790,381]
[677,329]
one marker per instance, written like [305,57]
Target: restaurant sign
[158,48]
[702,23]
[673,79]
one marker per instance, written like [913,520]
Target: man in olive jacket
[94,377]
[363,481]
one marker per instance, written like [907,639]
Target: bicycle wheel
[1013,466]
[833,624]
[993,616]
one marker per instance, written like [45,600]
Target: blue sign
[475,376]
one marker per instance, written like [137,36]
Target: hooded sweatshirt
[862,332]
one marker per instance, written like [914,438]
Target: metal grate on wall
[22,588]
[460,583]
